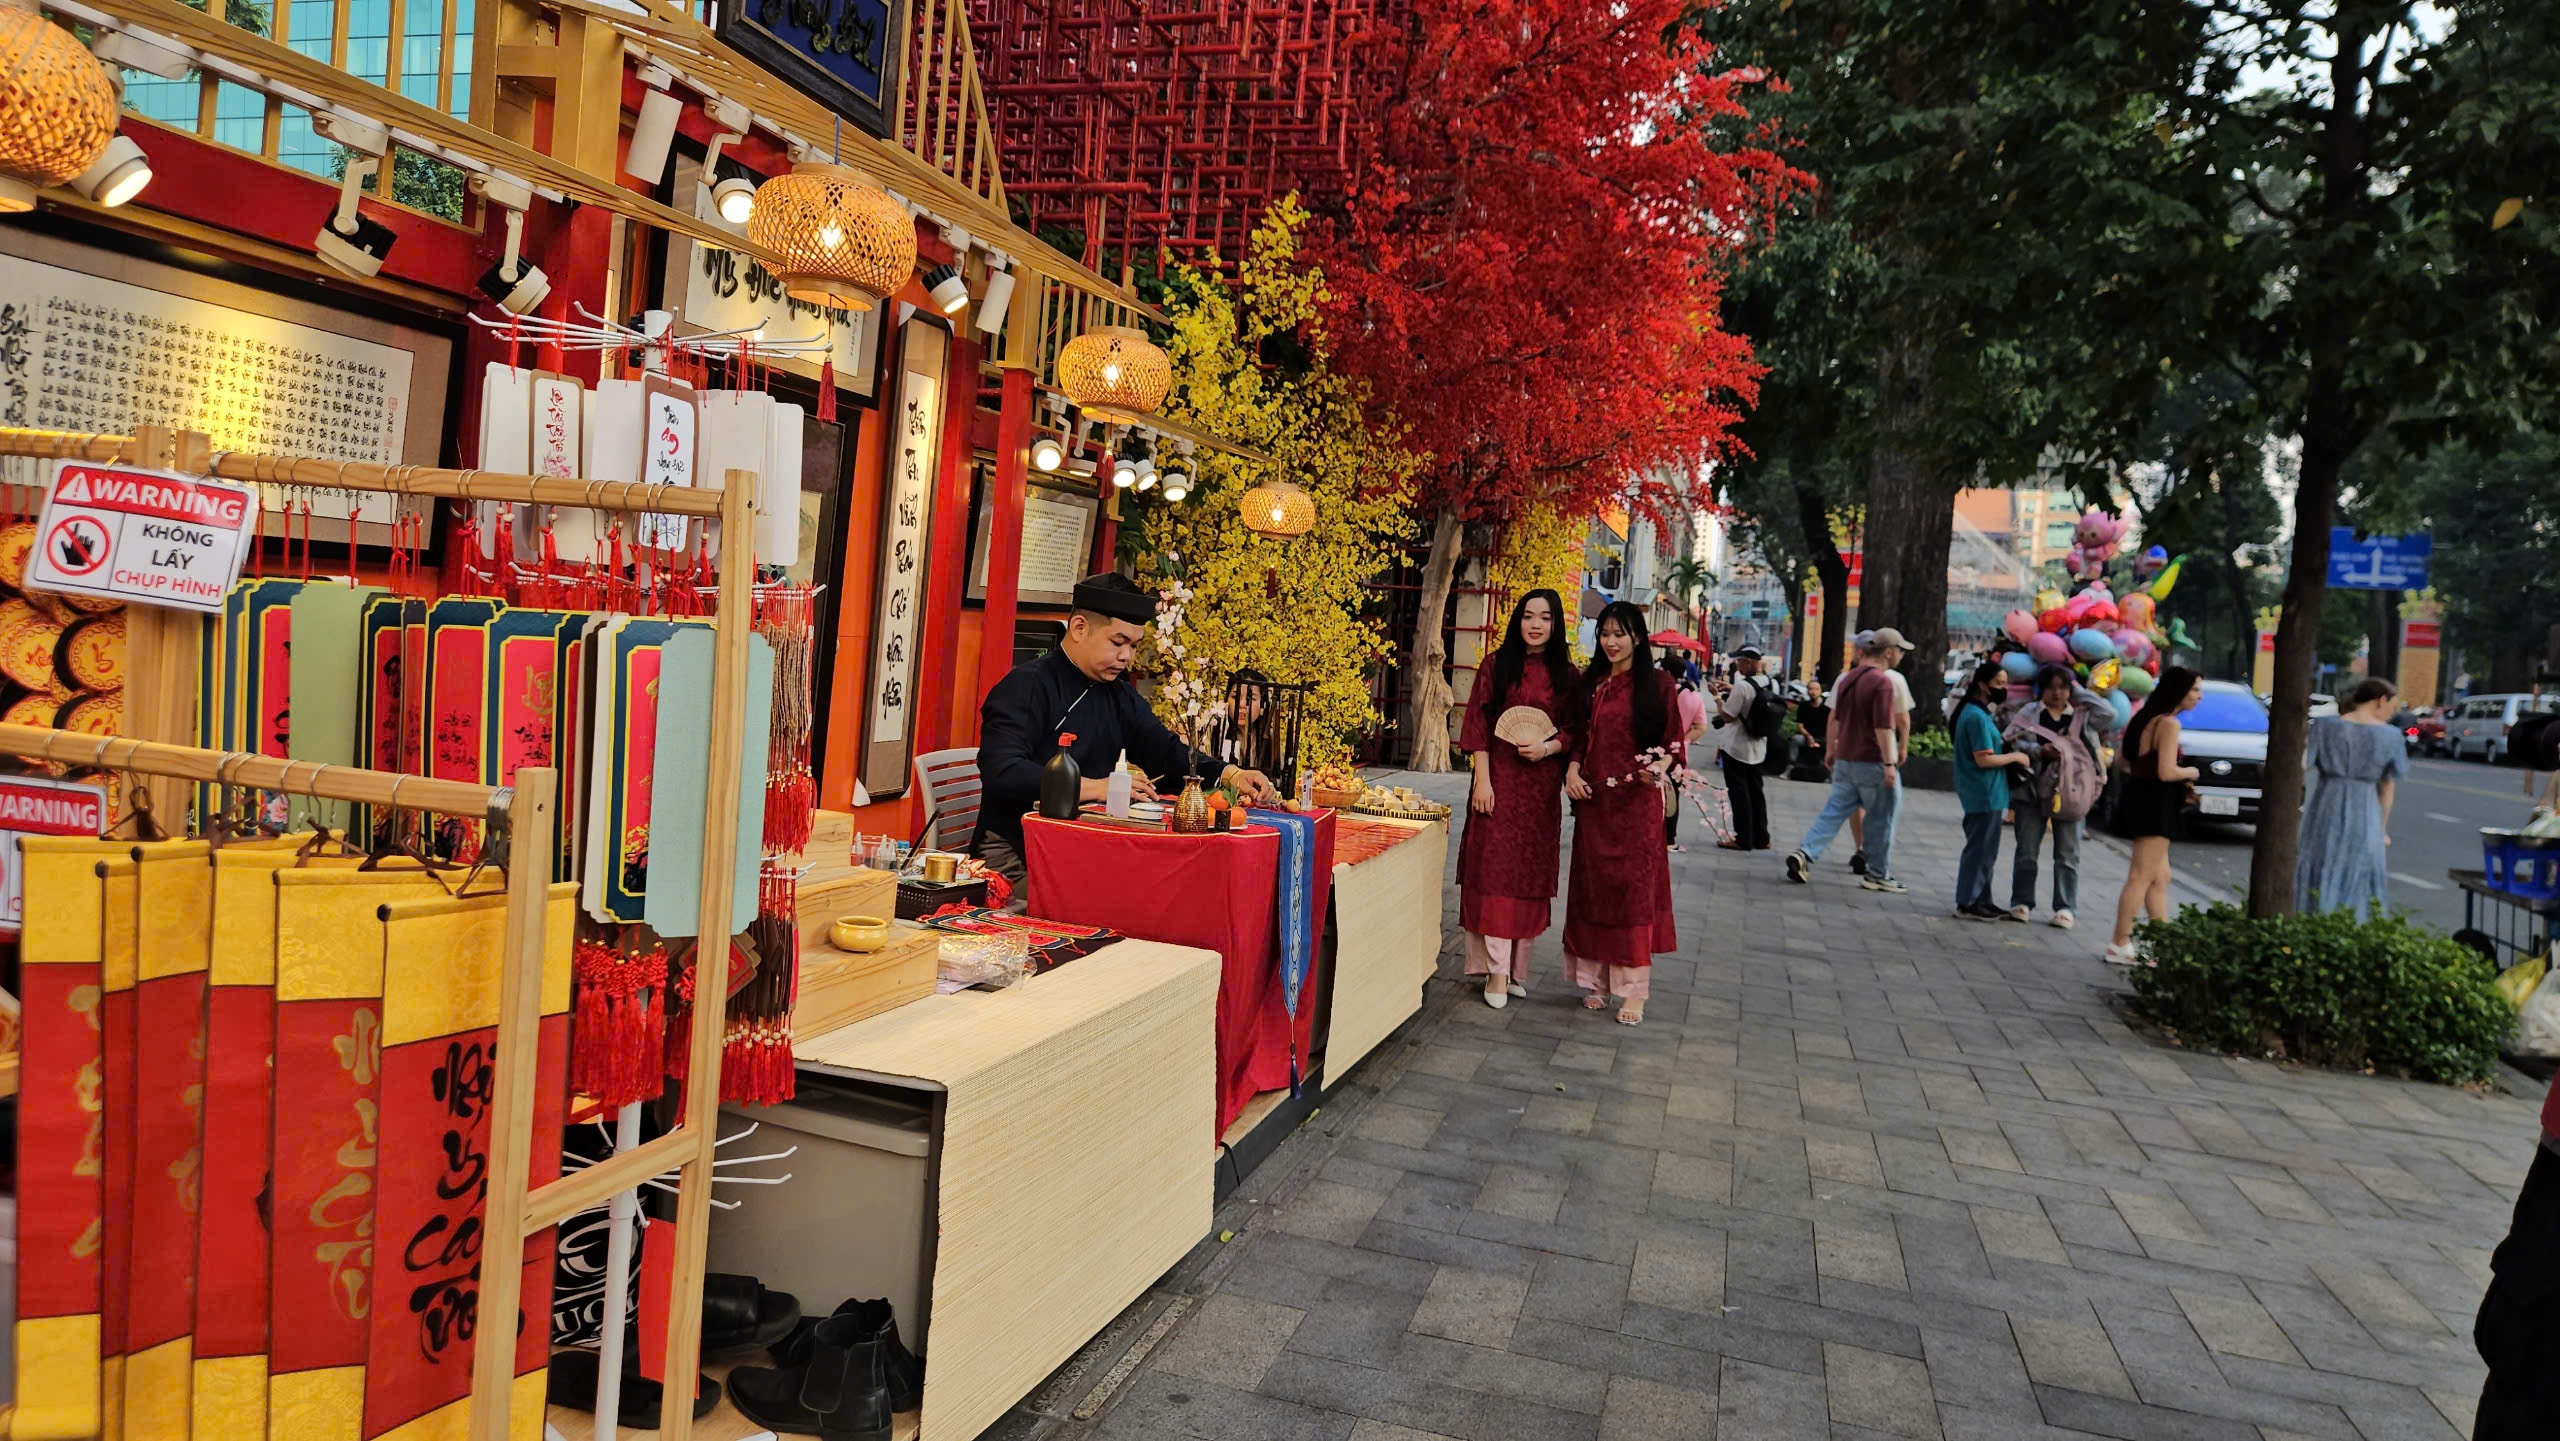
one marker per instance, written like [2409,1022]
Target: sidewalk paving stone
[1866,1171]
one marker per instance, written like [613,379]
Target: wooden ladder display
[161,649]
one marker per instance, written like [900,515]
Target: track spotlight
[349,242]
[1133,464]
[1178,471]
[134,52]
[730,201]
[1124,472]
[118,175]
[948,288]
[1146,475]
[1176,487]
[653,135]
[735,199]
[999,294]
[516,284]
[1047,452]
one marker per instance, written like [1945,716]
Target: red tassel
[614,1037]
[827,390]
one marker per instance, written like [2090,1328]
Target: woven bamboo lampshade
[1115,366]
[1279,510]
[842,240]
[57,109]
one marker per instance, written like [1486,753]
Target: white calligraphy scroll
[906,512]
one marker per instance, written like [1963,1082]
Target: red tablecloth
[1212,891]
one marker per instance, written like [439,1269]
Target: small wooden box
[838,988]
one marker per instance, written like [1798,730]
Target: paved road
[1865,1173]
[2435,826]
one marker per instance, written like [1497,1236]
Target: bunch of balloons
[2113,645]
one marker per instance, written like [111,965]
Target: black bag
[1766,714]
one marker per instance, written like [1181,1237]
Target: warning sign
[144,536]
[30,807]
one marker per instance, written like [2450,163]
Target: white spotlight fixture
[1124,472]
[1177,487]
[349,242]
[1146,475]
[730,201]
[1178,471]
[515,283]
[948,288]
[653,135]
[1048,452]
[119,174]
[134,52]
[999,294]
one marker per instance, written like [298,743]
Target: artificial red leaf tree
[1530,272]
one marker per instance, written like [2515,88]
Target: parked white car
[2477,728]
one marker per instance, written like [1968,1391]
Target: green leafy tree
[2495,513]
[1992,176]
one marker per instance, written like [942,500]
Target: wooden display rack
[161,648]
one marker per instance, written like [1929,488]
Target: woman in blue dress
[2358,755]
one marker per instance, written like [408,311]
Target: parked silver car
[2476,728]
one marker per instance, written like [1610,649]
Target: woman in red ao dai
[1515,821]
[1617,914]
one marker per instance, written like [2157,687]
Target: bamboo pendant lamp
[1279,510]
[1115,366]
[842,240]
[57,108]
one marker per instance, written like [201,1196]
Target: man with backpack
[2058,732]
[1748,715]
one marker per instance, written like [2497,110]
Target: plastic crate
[2534,874]
[2500,858]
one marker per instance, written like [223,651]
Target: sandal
[1631,1015]
[1594,1001]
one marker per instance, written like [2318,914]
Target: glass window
[173,103]
[369,39]
[422,50]
[311,26]
[2226,711]
[462,17]
[302,148]
[240,118]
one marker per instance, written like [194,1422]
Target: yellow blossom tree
[1292,609]
[1540,549]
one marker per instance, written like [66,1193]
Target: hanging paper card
[442,965]
[637,652]
[232,1253]
[117,1089]
[380,688]
[520,711]
[778,488]
[737,426]
[683,751]
[328,1062]
[457,689]
[757,734]
[669,428]
[328,639]
[613,431]
[577,734]
[61,1140]
[506,440]
[596,846]
[173,890]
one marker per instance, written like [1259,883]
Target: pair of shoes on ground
[1500,996]
[1800,870]
[1981,911]
[840,1379]
[2062,919]
[1630,1013]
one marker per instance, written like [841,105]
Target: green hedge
[2332,988]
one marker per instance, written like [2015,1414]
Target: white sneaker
[2061,919]
[2124,955]
[1518,989]
[1886,884]
[2020,914]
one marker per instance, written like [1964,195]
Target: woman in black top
[2155,793]
[1813,722]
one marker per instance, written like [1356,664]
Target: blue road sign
[2379,562]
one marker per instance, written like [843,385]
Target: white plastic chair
[948,781]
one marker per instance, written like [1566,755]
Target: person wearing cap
[1744,753]
[1078,698]
[1866,761]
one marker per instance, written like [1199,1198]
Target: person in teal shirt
[1982,788]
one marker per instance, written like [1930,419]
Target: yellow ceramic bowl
[859,933]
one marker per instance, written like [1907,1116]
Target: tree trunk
[1429,658]
[1815,521]
[1911,522]
[2382,638]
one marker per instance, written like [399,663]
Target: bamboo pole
[550,1205]
[316,779]
[518,1050]
[711,956]
[404,480]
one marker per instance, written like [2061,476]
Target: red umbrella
[1673,637]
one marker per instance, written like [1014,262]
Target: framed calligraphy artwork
[898,587]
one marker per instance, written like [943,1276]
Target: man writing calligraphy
[1078,697]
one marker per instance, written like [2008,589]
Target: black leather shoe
[877,1321]
[839,1392]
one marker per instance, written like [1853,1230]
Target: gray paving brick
[1763,1403]
[2132,1421]
[1979,1372]
[1580,1292]
[1229,1339]
[2072,1351]
[2236,1326]
[1160,1403]
[1475,1306]
[1879,1392]
[1354,1322]
[1679,1273]
[1328,1211]
[1642,1410]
